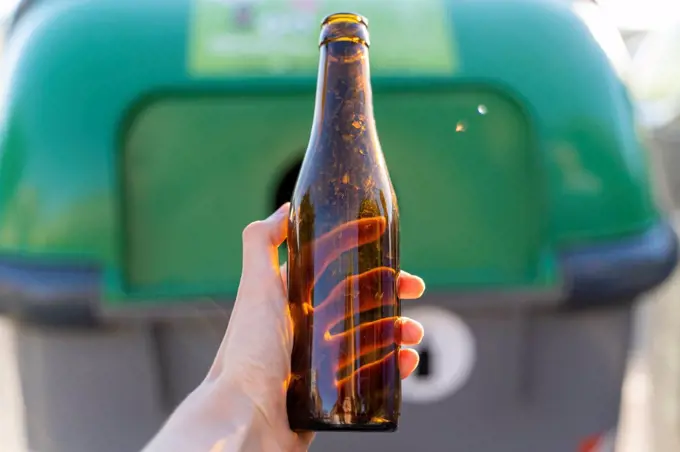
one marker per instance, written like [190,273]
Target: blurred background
[138,138]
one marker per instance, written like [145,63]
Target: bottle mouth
[344,17]
[348,27]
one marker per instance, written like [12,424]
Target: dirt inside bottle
[343,253]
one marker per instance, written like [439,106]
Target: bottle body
[343,255]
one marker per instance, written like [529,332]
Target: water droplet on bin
[481,109]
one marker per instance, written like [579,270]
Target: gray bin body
[541,381]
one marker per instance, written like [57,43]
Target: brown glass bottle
[343,253]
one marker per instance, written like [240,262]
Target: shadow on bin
[139,138]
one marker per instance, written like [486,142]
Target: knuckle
[253,230]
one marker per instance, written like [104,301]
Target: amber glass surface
[343,253]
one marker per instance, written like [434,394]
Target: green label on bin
[272,37]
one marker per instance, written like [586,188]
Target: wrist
[219,416]
[210,419]
[256,415]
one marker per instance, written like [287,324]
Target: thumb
[261,240]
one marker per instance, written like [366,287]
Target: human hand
[241,405]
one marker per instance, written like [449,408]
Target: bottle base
[320,426]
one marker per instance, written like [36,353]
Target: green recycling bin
[138,138]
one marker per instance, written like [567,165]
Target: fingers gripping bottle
[343,252]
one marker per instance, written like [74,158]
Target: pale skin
[241,404]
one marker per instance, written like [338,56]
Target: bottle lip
[345,17]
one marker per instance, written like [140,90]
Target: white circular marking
[451,351]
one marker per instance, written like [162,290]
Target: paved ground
[10,400]
[635,433]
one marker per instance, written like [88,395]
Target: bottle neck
[344,99]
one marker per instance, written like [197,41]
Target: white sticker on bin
[451,355]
